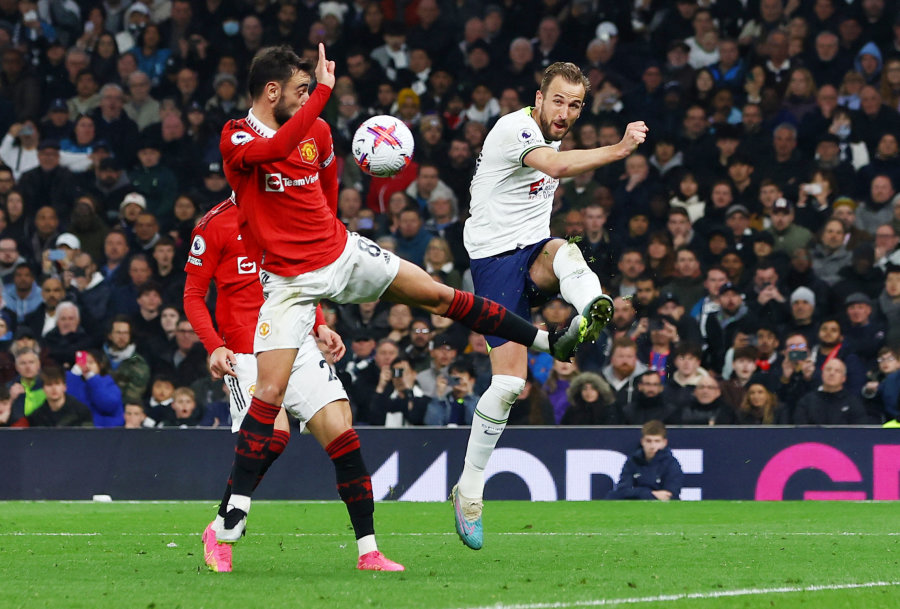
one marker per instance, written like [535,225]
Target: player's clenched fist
[635,134]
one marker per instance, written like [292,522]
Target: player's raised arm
[574,162]
[279,84]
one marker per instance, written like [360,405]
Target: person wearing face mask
[136,19]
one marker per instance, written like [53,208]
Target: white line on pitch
[500,534]
[607,602]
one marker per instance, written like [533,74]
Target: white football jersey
[511,202]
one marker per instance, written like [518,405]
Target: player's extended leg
[509,364]
[413,286]
[564,269]
[255,437]
[218,554]
[331,426]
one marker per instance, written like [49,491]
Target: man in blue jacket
[651,472]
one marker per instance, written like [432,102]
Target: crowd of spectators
[751,243]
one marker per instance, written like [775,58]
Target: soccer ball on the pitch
[383,146]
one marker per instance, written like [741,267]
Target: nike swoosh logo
[491,433]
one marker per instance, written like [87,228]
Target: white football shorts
[313,384]
[361,273]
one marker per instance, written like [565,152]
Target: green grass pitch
[537,556]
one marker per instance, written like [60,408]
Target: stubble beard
[280,112]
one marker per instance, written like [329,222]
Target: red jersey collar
[258,126]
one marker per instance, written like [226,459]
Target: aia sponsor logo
[542,189]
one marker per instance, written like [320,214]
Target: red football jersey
[217,253]
[290,222]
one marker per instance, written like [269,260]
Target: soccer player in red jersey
[218,254]
[306,254]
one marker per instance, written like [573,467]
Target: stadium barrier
[540,464]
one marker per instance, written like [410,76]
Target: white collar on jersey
[258,126]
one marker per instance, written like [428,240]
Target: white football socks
[542,341]
[578,284]
[366,544]
[487,425]
[241,502]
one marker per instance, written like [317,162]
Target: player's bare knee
[270,393]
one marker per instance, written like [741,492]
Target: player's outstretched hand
[635,135]
[222,362]
[332,341]
[324,69]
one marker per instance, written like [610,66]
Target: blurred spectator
[22,295]
[89,382]
[68,336]
[591,402]
[419,348]
[75,151]
[184,411]
[759,406]
[136,417]
[5,407]
[146,232]
[141,107]
[185,361]
[412,238]
[623,369]
[882,389]
[442,352]
[9,258]
[154,181]
[57,408]
[20,84]
[454,401]
[86,226]
[115,252]
[367,375]
[26,389]
[129,368]
[439,260]
[43,318]
[113,124]
[110,185]
[706,406]
[831,403]
[161,397]
[398,401]
[127,294]
[557,384]
[19,148]
[49,183]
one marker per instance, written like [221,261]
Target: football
[383,146]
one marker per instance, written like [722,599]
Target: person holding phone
[457,405]
[89,382]
[398,399]
[797,370]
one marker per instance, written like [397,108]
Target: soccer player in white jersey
[514,260]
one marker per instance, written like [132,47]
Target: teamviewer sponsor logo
[274,182]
